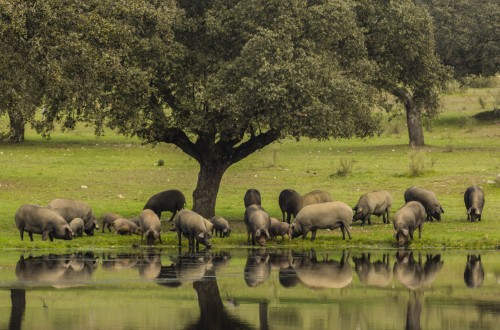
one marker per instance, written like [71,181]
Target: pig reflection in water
[119,262]
[474,272]
[257,267]
[59,271]
[150,265]
[191,267]
[327,274]
[410,272]
[378,273]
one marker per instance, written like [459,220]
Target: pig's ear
[441,208]
[225,230]
[405,232]
[267,234]
[201,235]
[468,211]
[395,234]
[257,233]
[360,209]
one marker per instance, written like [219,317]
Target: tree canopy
[467,35]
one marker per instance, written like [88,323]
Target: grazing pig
[221,226]
[193,226]
[428,199]
[124,226]
[408,218]
[257,222]
[150,226]
[474,272]
[209,225]
[377,202]
[136,220]
[289,202]
[107,220]
[70,209]
[252,196]
[35,219]
[77,227]
[168,200]
[278,228]
[474,203]
[329,215]
[314,197]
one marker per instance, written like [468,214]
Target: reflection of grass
[113,166]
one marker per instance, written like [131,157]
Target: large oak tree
[223,79]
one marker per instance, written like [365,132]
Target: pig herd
[66,218]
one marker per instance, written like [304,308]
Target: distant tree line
[221,79]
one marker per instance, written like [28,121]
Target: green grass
[118,174]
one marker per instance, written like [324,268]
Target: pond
[250,289]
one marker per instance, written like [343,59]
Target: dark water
[250,289]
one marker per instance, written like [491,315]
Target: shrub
[344,168]
[416,163]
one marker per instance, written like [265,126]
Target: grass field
[118,174]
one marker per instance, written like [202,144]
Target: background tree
[467,35]
[21,65]
[400,40]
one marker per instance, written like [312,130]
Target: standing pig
[474,203]
[377,202]
[77,227]
[35,219]
[330,215]
[314,197]
[168,200]
[257,222]
[278,228]
[124,226]
[289,202]
[107,220]
[70,209]
[193,226]
[150,226]
[221,226]
[428,199]
[252,196]
[409,217]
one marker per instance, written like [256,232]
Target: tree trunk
[207,188]
[413,117]
[16,131]
[414,122]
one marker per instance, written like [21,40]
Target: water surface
[250,289]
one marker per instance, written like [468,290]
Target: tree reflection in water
[416,277]
[200,269]
[18,300]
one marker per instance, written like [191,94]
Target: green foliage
[466,35]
